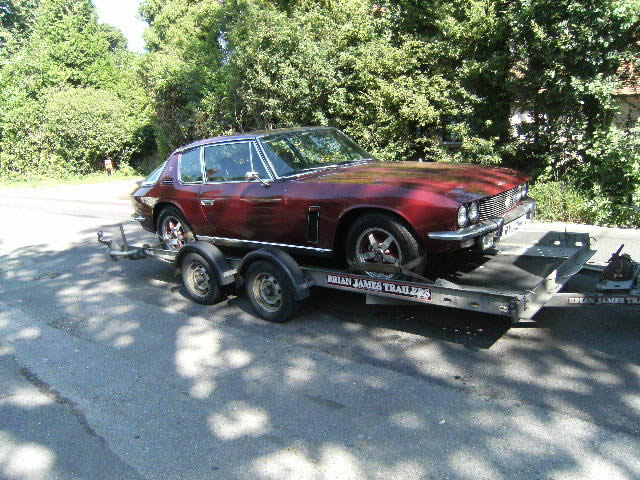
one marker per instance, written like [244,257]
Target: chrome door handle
[207,202]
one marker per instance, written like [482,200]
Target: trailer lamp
[473,212]
[463,217]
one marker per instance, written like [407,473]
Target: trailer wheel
[199,279]
[270,291]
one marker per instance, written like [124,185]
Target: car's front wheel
[382,239]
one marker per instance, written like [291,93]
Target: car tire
[270,291]
[199,279]
[371,231]
[173,230]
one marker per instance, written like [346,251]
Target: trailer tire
[270,291]
[199,279]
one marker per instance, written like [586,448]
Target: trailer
[514,279]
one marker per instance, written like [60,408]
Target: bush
[84,125]
[69,94]
[614,170]
[69,133]
[559,202]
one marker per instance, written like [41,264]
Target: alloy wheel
[377,245]
[173,233]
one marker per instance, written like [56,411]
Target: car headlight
[526,189]
[473,212]
[463,217]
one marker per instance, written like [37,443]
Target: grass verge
[100,177]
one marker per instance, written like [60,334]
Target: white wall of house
[628,116]
[629,110]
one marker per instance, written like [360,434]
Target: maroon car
[315,191]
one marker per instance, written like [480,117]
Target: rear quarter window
[155,175]
[190,169]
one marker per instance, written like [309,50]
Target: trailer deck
[516,278]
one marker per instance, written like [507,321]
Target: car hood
[461,182]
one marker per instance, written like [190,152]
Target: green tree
[69,62]
[243,65]
[566,58]
[16,21]
[183,67]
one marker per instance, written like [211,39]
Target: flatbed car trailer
[515,279]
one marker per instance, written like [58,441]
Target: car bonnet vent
[167,181]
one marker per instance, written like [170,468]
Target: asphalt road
[108,371]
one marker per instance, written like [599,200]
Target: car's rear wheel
[173,230]
[383,239]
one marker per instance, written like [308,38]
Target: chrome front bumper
[527,207]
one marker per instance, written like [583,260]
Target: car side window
[230,162]
[155,175]
[190,170]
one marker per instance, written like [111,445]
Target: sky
[123,14]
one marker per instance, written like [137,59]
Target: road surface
[108,371]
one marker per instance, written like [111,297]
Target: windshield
[299,151]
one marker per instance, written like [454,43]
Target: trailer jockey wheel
[270,291]
[199,279]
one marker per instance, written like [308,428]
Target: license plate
[513,227]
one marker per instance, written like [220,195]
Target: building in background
[628,96]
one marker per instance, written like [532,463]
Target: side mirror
[251,176]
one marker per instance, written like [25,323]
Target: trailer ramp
[515,279]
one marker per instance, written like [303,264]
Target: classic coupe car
[315,191]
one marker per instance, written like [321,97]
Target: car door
[237,209]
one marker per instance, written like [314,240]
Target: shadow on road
[344,390]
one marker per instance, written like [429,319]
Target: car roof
[244,136]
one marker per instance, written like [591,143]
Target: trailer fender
[225,275]
[283,260]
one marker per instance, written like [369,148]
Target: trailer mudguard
[225,275]
[282,259]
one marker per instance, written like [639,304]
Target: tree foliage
[409,79]
[16,21]
[256,64]
[70,93]
[567,61]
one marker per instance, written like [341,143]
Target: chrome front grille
[497,205]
